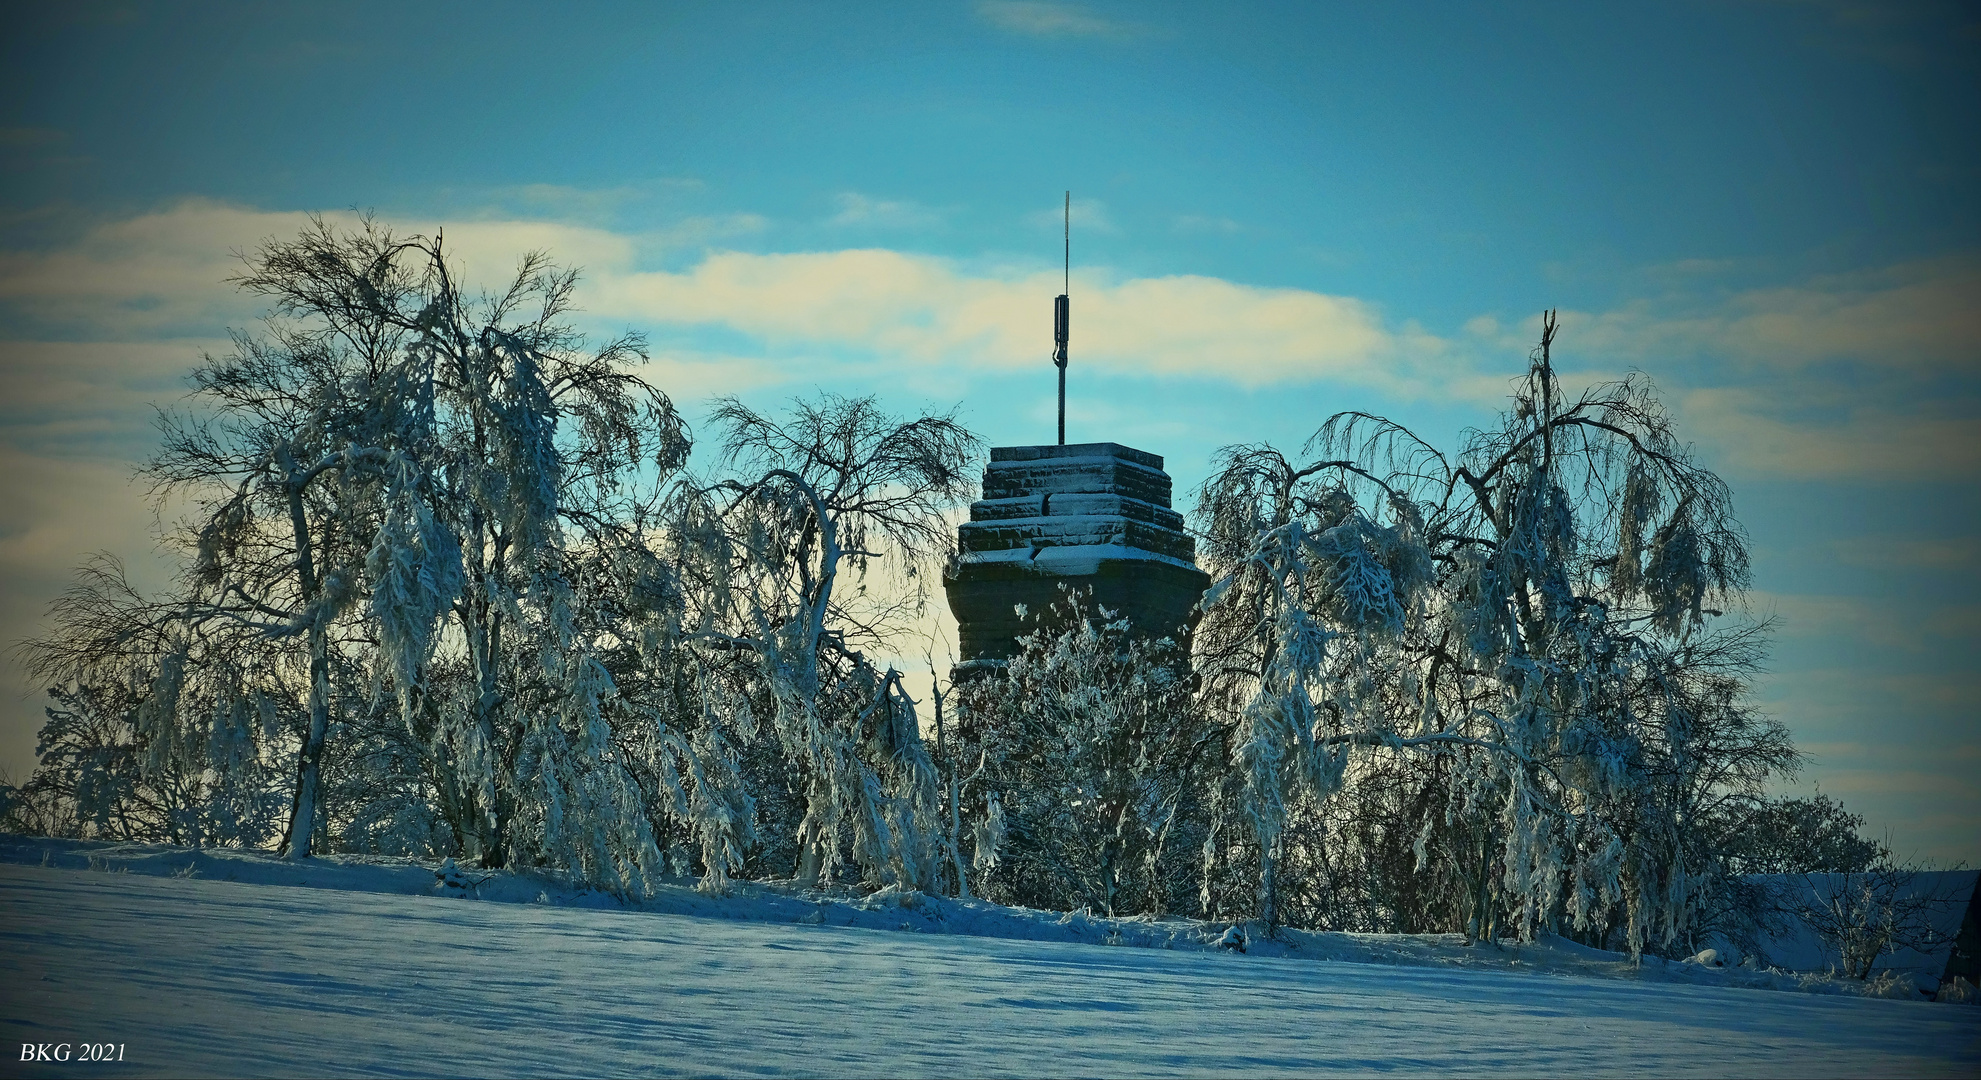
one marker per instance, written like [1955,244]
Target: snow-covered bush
[1863,916]
[103,777]
[1097,763]
[1958,991]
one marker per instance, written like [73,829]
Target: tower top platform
[1093,517]
[1076,450]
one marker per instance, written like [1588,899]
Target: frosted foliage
[414,567]
[522,488]
[157,724]
[872,791]
[586,813]
[988,836]
[1521,630]
[446,590]
[1089,764]
[406,492]
[1321,584]
[171,754]
[780,545]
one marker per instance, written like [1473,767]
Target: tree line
[449,586]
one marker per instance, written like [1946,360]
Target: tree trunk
[309,764]
[309,772]
[811,856]
[1268,888]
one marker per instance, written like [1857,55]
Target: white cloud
[147,276]
[917,310]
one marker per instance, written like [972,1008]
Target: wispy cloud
[1088,214]
[1910,552]
[165,274]
[1877,695]
[162,275]
[1873,621]
[1760,430]
[911,310]
[565,202]
[141,276]
[860,210]
[704,230]
[1202,223]
[1873,373]
[1908,316]
[1860,347]
[1047,19]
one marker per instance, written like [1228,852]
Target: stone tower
[1090,516]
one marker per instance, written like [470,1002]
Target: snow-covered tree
[101,777]
[1533,618]
[296,438]
[814,546]
[1311,596]
[405,494]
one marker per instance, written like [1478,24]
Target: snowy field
[199,975]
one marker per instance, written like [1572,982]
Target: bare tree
[1865,915]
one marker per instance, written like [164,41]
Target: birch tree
[293,440]
[816,545]
[449,498]
[1536,614]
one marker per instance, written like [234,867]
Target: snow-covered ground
[366,972]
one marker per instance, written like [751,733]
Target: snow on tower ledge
[1087,515]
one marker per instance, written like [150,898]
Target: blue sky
[1280,211]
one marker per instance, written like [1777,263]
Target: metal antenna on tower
[1060,318]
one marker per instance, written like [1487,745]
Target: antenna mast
[1060,318]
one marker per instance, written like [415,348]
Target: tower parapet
[1091,516]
